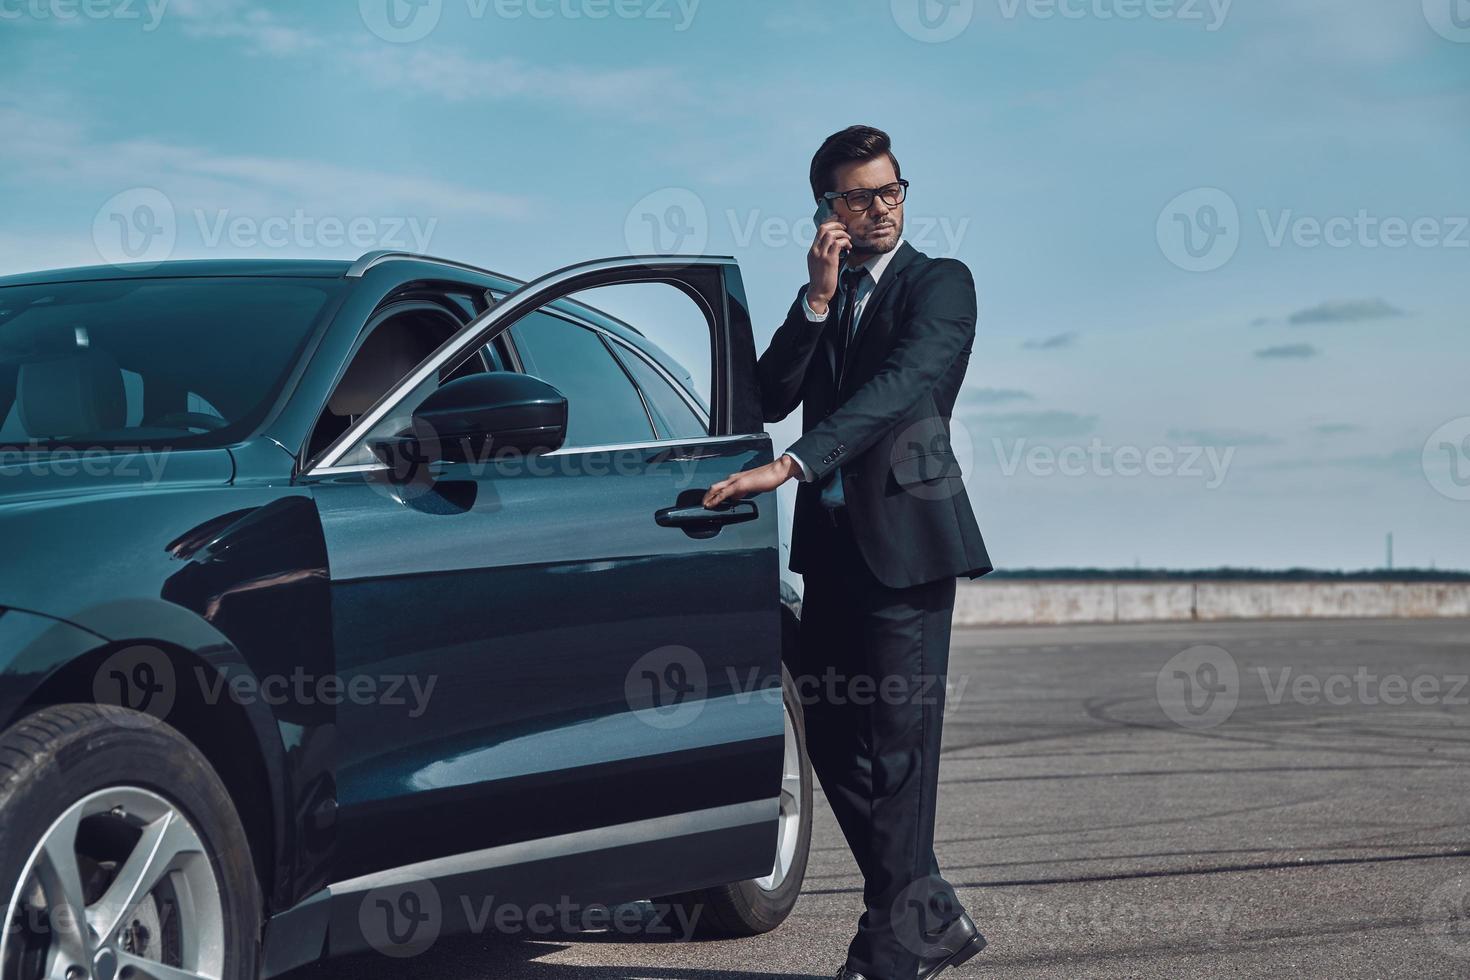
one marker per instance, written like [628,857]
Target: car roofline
[373,259]
[182,269]
[370,260]
[332,269]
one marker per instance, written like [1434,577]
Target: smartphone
[825,214]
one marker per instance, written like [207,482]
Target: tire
[102,784]
[749,908]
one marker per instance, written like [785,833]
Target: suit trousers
[871,670]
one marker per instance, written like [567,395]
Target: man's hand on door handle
[748,483]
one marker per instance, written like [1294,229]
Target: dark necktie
[851,280]
[831,492]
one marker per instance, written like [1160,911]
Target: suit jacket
[882,415]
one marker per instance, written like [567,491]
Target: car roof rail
[375,258]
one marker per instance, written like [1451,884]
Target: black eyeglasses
[859,199]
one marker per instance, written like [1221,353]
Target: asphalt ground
[1113,805]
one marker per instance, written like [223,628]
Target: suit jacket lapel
[906,254]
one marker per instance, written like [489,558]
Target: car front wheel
[121,854]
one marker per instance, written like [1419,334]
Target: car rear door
[586,663]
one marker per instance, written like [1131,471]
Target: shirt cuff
[814,318]
[806,474]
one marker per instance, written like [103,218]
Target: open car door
[606,720]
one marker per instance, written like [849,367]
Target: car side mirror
[485,414]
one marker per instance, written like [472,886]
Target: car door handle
[698,518]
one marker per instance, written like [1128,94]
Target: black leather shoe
[959,941]
[845,974]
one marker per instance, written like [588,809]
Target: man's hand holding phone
[824,261]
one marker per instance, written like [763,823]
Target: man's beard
[885,241]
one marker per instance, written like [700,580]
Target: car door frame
[714,284]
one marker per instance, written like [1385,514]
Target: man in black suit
[875,349]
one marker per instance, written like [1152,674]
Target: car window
[394,348]
[672,415]
[160,362]
[603,407]
[669,319]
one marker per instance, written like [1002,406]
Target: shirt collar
[878,264]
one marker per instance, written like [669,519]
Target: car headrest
[72,395]
[391,351]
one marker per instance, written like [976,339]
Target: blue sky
[1221,247]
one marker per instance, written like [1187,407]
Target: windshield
[155,362]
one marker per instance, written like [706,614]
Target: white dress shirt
[876,266]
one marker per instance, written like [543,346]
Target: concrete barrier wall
[1010,602]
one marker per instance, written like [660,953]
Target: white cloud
[433,70]
[1330,31]
[51,151]
[257,27]
[444,74]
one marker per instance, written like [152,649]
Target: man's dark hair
[855,143]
